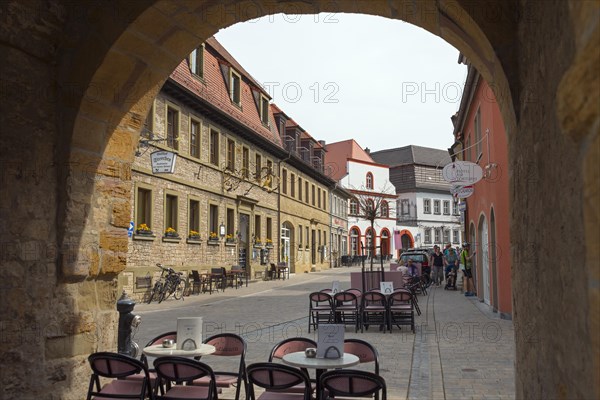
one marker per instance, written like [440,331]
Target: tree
[370,205]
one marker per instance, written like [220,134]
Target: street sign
[130,230]
[462,206]
[163,162]
[462,192]
[461,173]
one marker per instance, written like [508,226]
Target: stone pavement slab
[459,351]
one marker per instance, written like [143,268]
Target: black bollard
[127,321]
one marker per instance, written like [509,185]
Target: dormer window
[235,87]
[197,61]
[369,180]
[264,110]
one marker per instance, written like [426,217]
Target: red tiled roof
[218,47]
[214,91]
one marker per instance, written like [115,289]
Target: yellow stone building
[239,193]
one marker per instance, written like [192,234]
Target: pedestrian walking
[451,259]
[466,259]
[437,260]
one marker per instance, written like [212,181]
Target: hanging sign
[462,192]
[163,162]
[462,173]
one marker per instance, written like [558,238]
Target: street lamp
[222,230]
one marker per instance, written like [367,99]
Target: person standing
[451,259]
[437,260]
[467,260]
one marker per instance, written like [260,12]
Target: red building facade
[480,137]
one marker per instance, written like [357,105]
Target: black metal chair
[292,345]
[400,309]
[320,309]
[174,375]
[365,352]
[351,383]
[118,367]
[228,345]
[274,377]
[347,309]
[374,310]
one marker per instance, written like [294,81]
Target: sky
[383,82]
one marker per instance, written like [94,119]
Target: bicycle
[171,283]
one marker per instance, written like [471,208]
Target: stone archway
[91,72]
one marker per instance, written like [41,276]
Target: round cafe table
[299,359]
[158,350]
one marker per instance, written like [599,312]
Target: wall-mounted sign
[462,192]
[462,173]
[163,162]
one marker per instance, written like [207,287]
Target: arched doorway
[494,259]
[100,96]
[483,258]
[384,241]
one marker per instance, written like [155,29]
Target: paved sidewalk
[460,349]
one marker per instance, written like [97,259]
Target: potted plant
[269,243]
[170,232]
[194,235]
[143,229]
[229,238]
[213,237]
[257,242]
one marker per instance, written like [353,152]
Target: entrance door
[485,259]
[244,234]
[285,246]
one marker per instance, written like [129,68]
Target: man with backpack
[466,259]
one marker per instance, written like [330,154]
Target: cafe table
[299,360]
[158,350]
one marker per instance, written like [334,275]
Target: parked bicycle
[169,283]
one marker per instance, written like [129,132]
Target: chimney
[367,150]
[322,143]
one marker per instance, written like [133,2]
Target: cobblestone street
[460,349]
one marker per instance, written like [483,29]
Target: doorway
[243,241]
[484,258]
[286,245]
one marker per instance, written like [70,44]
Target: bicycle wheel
[168,289]
[179,289]
[155,291]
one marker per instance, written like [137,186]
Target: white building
[368,181]
[426,213]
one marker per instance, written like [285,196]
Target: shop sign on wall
[163,162]
[462,173]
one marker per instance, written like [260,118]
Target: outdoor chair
[413,289]
[196,282]
[276,379]
[118,367]
[240,275]
[320,309]
[400,309]
[352,383]
[365,352]
[374,310]
[156,340]
[292,345]
[347,309]
[218,279]
[228,345]
[174,375]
